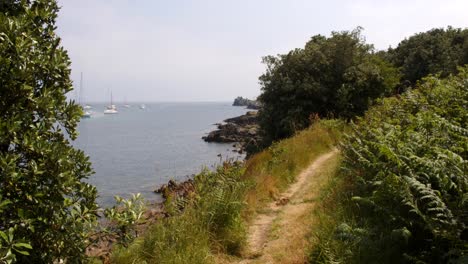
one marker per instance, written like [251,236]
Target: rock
[243,130]
[174,189]
[282,201]
[250,104]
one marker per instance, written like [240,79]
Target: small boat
[111,109]
[142,106]
[126,105]
[86,114]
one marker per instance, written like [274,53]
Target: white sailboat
[111,109]
[142,106]
[126,105]
[86,113]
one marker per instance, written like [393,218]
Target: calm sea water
[137,150]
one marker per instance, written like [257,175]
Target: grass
[274,169]
[174,240]
[209,221]
[214,220]
[333,213]
[295,224]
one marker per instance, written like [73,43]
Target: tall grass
[178,240]
[272,170]
[214,219]
[332,214]
[210,220]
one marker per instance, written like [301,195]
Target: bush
[124,216]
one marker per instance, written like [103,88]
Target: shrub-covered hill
[405,180]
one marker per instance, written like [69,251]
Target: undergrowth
[402,195]
[210,220]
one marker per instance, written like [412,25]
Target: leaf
[4,236]
[22,252]
[23,245]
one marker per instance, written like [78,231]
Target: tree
[437,51]
[44,199]
[337,76]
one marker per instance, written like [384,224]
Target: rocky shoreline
[242,130]
[174,189]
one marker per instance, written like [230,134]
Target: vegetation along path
[279,233]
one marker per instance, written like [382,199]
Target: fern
[408,161]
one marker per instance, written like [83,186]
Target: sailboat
[86,113]
[126,105]
[111,109]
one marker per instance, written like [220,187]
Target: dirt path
[279,233]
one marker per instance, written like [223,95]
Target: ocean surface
[137,150]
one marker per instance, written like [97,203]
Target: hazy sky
[210,50]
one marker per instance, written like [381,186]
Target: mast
[80,94]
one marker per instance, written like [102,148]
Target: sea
[138,150]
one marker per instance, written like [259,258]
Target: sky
[211,50]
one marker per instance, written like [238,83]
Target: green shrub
[124,216]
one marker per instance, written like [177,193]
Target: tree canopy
[44,201]
[336,76]
[437,51]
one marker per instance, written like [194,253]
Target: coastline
[240,130]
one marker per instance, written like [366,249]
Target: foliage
[124,216]
[407,162]
[46,201]
[177,240]
[9,247]
[435,51]
[211,219]
[338,76]
[219,205]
